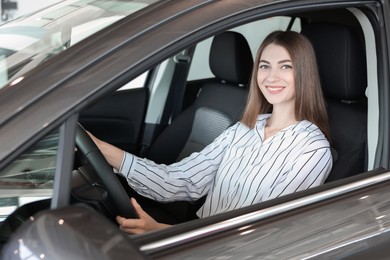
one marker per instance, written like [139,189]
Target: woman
[279,147]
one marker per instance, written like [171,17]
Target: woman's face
[275,76]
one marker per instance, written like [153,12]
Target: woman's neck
[279,120]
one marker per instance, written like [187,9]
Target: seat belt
[178,85]
[175,97]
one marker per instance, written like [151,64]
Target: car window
[28,41]
[30,177]
[138,82]
[199,66]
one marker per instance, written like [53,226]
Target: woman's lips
[274,89]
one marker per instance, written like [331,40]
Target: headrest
[341,60]
[231,58]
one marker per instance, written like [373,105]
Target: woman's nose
[273,75]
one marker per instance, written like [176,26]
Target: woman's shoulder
[312,131]
[308,127]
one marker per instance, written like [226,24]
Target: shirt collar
[301,126]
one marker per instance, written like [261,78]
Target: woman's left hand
[141,225]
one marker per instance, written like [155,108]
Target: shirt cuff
[126,164]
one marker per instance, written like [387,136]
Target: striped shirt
[238,168]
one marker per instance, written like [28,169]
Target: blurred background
[11,9]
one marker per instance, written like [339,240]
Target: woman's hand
[138,226]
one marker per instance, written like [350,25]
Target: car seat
[219,103]
[342,65]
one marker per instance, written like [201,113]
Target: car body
[41,103]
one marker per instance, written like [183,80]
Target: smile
[275,89]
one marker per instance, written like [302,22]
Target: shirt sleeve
[189,179]
[309,169]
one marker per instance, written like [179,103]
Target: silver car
[162,79]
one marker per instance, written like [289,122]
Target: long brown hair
[309,100]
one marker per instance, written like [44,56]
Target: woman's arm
[309,170]
[113,154]
[188,179]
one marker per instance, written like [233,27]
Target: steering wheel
[104,171]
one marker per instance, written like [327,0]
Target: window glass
[138,82]
[32,39]
[254,32]
[30,177]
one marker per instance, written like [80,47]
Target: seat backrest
[219,103]
[342,64]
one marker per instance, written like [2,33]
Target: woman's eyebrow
[283,61]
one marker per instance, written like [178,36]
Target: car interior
[209,105]
[340,50]
[208,116]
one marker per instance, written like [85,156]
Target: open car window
[200,67]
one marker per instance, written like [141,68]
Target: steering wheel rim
[104,171]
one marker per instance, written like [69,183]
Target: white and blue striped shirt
[238,168]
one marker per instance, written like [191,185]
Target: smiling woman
[276,79]
[262,157]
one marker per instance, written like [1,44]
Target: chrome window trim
[262,214]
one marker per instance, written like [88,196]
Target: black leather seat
[342,64]
[218,105]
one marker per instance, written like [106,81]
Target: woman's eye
[263,66]
[286,67]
